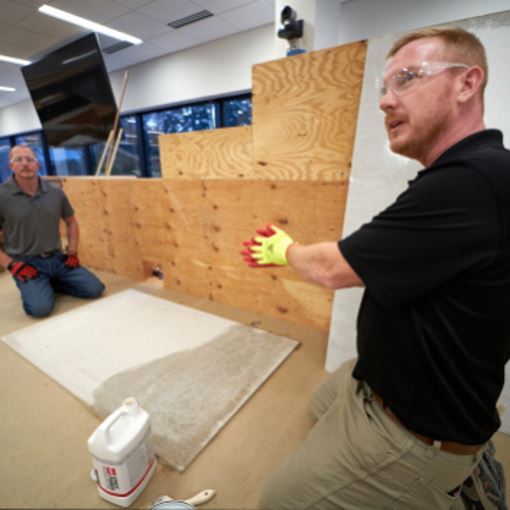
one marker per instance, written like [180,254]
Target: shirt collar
[488,138]
[13,187]
[480,140]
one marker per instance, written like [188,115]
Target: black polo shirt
[31,223]
[434,323]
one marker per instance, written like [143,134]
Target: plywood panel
[87,198]
[219,153]
[304,114]
[194,230]
[153,229]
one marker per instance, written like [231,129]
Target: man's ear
[469,83]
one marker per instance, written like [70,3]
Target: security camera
[291,28]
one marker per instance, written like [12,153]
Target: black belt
[447,446]
[46,254]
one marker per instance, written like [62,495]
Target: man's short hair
[459,46]
[22,146]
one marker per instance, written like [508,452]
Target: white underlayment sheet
[189,369]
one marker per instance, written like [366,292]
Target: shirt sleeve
[443,224]
[67,208]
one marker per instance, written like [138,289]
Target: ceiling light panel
[13,60]
[86,23]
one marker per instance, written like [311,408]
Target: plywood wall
[304,114]
[290,168]
[217,154]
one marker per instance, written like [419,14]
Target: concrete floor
[44,429]
[45,462]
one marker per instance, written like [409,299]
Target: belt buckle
[47,254]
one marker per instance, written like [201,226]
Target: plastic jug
[122,454]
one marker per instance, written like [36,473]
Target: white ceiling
[25,33]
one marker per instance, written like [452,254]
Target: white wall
[363,19]
[211,69]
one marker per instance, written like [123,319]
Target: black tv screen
[72,95]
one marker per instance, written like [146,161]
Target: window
[35,142]
[127,159]
[237,112]
[176,120]
[68,160]
[138,151]
[5,147]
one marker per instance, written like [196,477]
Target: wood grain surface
[218,153]
[193,230]
[304,113]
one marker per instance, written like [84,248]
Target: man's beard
[422,141]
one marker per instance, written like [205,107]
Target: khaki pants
[356,457]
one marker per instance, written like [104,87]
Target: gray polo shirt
[31,223]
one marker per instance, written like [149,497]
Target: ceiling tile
[132,55]
[175,40]
[165,11]
[33,4]
[5,67]
[209,29]
[13,78]
[99,11]
[139,25]
[12,12]
[26,39]
[48,26]
[250,16]
[133,4]
[13,50]
[220,6]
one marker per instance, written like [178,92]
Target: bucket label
[110,475]
[123,478]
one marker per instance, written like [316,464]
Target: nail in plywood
[304,113]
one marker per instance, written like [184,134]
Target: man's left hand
[72,260]
[267,249]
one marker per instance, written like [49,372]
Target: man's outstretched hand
[22,271]
[268,249]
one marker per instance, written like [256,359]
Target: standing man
[30,213]
[404,424]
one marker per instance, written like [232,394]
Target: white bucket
[122,454]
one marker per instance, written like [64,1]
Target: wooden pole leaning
[103,155]
[108,170]
[108,151]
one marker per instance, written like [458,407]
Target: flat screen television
[72,95]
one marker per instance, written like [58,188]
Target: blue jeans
[38,294]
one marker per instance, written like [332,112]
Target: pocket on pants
[423,495]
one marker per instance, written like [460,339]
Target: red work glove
[72,261]
[22,271]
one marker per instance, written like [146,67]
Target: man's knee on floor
[93,289]
[97,290]
[38,310]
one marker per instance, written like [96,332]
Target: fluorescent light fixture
[13,60]
[85,23]
[7,89]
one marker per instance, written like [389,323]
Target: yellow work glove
[267,249]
